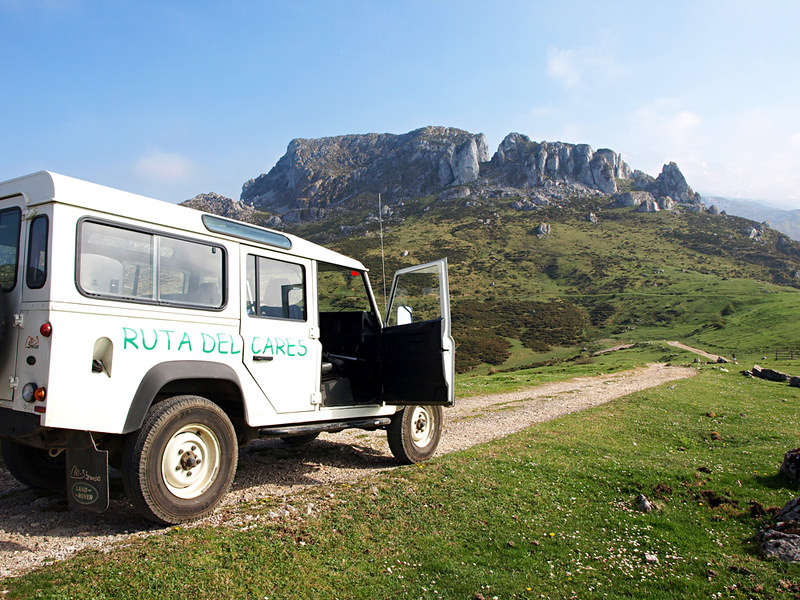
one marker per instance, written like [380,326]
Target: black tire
[414,433]
[182,437]
[35,467]
[299,440]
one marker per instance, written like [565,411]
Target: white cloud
[754,123]
[794,141]
[573,66]
[665,120]
[164,167]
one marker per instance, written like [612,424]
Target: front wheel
[37,468]
[414,433]
[180,464]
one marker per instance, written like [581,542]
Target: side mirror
[405,315]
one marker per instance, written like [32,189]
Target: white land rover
[158,339]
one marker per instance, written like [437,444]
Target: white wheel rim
[422,425]
[191,461]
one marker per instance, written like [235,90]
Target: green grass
[546,513]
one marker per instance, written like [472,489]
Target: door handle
[261,357]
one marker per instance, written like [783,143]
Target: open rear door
[417,349]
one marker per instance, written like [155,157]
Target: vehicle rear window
[37,253]
[127,264]
[10,220]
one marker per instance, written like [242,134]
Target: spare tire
[35,467]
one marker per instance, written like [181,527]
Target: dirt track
[36,528]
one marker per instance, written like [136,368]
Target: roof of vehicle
[44,187]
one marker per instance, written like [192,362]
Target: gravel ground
[37,528]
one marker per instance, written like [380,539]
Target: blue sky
[172,99]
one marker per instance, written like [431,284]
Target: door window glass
[341,289]
[9,247]
[275,289]
[416,297]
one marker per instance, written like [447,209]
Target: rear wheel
[180,464]
[414,433]
[37,468]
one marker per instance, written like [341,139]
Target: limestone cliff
[317,175]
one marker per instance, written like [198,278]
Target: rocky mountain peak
[317,175]
[221,205]
[521,162]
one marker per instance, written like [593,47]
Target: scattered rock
[542,229]
[666,203]
[592,218]
[782,540]
[649,206]
[456,192]
[643,504]
[627,199]
[769,374]
[791,465]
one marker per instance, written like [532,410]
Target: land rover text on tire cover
[158,339]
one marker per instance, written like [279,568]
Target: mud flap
[87,478]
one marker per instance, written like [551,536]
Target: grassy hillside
[632,276]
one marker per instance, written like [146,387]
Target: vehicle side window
[416,298]
[10,220]
[37,253]
[124,264]
[275,289]
[341,289]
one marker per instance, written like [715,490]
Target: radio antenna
[383,257]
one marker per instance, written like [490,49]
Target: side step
[329,426]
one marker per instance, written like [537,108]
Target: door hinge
[316,398]
[313,333]
[13,382]
[19,320]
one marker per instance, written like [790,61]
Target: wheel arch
[215,381]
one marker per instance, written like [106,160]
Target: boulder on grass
[782,540]
[791,465]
